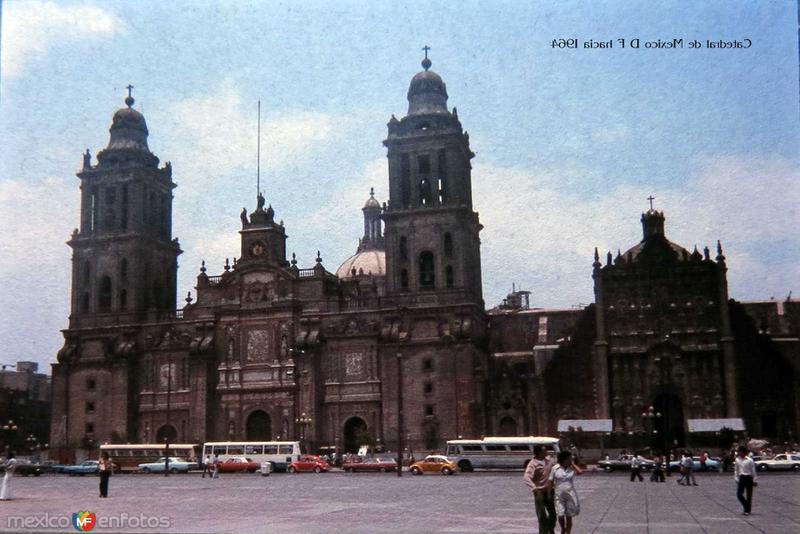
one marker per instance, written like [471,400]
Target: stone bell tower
[124,258]
[432,241]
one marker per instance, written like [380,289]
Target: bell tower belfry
[432,241]
[124,259]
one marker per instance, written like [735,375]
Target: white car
[781,462]
[176,465]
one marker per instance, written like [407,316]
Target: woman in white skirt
[566,498]
[5,488]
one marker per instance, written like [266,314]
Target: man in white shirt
[744,471]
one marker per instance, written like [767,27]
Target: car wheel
[383,469]
[292,469]
[608,468]
[318,469]
[447,471]
[173,470]
[762,467]
[465,466]
[145,470]
[416,471]
[251,470]
[796,467]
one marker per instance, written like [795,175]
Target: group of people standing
[555,498]
[211,466]
[553,490]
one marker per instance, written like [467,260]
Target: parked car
[176,465]
[623,463]
[434,463]
[381,465]
[239,464]
[88,467]
[24,468]
[712,464]
[781,462]
[308,463]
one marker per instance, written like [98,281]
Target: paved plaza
[377,503]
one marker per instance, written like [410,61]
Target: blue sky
[569,143]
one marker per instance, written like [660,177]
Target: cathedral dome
[128,137]
[371,203]
[367,262]
[427,92]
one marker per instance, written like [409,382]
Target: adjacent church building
[396,347]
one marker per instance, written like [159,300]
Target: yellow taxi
[433,463]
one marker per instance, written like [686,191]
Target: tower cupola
[127,143]
[427,93]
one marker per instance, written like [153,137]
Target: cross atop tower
[129,100]
[651,198]
[426,63]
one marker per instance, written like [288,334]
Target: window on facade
[123,269]
[85,302]
[403,248]
[123,299]
[427,364]
[89,407]
[91,384]
[404,278]
[442,177]
[425,198]
[448,276]
[424,164]
[428,388]
[110,207]
[428,410]
[427,277]
[89,428]
[104,298]
[448,245]
[95,205]
[542,328]
[123,219]
[405,180]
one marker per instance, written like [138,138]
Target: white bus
[496,452]
[280,453]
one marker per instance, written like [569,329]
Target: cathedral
[396,348]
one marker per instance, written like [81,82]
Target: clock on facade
[257,249]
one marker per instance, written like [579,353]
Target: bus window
[472,448]
[235,449]
[520,448]
[286,449]
[496,448]
[220,449]
[253,449]
[452,449]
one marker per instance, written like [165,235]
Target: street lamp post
[168,427]
[303,422]
[400,414]
[8,431]
[650,416]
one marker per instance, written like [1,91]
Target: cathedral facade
[395,348]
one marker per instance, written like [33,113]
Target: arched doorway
[259,426]
[507,427]
[669,427]
[355,434]
[166,433]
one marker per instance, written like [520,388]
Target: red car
[238,464]
[309,462]
[381,465]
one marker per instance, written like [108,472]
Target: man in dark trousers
[744,471]
[636,467]
[537,478]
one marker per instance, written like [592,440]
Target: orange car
[434,463]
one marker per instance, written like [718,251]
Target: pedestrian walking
[105,468]
[207,464]
[688,463]
[636,467]
[744,472]
[215,473]
[537,478]
[658,470]
[566,498]
[5,489]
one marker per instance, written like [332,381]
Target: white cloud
[32,29]
[214,135]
